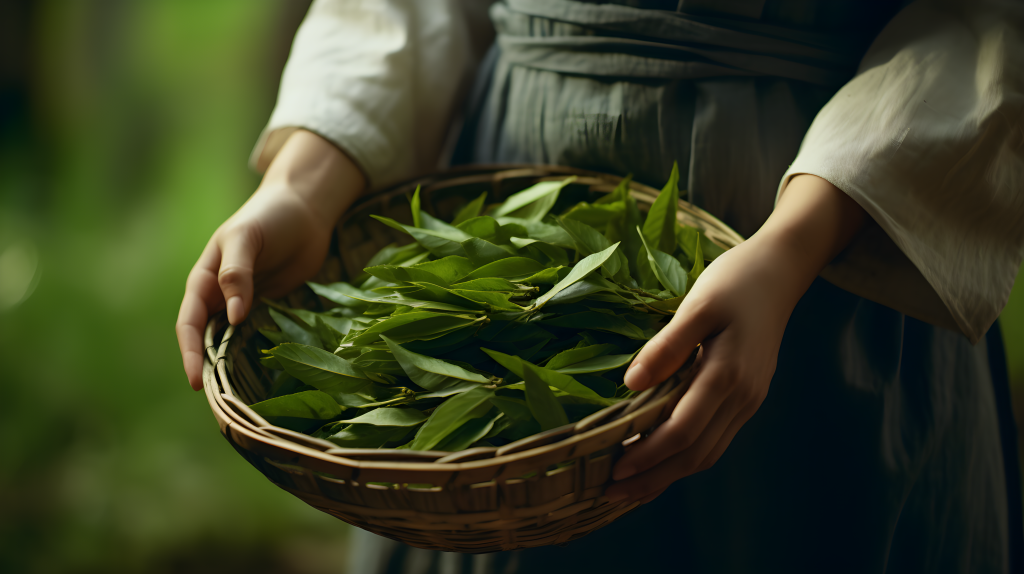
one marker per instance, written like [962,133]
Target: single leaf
[394,274]
[589,241]
[451,415]
[482,252]
[419,328]
[552,378]
[486,228]
[667,269]
[417,303]
[366,436]
[579,354]
[430,373]
[645,276]
[390,417]
[541,401]
[440,244]
[488,284]
[597,364]
[585,288]
[595,214]
[596,321]
[513,408]
[292,331]
[328,335]
[455,389]
[512,267]
[660,227]
[315,405]
[549,276]
[450,269]
[394,254]
[471,209]
[698,265]
[585,267]
[319,368]
[542,191]
[551,234]
[414,205]
[340,293]
[489,298]
[470,432]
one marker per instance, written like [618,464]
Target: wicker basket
[545,489]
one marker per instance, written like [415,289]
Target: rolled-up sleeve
[928,139]
[381,79]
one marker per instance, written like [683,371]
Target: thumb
[666,352]
[235,276]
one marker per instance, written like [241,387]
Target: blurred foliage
[124,133]
[124,150]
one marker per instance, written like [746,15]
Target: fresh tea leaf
[292,331]
[414,205]
[541,401]
[579,354]
[451,415]
[390,417]
[430,373]
[471,209]
[314,405]
[660,227]
[668,270]
[585,267]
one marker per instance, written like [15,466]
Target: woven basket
[545,489]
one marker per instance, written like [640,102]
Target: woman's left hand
[737,311]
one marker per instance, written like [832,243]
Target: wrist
[316,173]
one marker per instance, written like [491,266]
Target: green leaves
[451,415]
[659,229]
[585,267]
[541,401]
[668,270]
[534,202]
[485,330]
[429,373]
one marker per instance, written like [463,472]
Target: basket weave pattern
[545,489]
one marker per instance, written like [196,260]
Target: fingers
[726,439]
[688,422]
[649,484]
[202,297]
[235,276]
[665,352]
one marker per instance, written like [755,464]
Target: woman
[876,446]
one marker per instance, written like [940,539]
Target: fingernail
[235,310]
[623,472]
[637,376]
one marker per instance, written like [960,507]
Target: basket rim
[230,410]
[666,391]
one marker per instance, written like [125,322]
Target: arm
[739,307]
[273,243]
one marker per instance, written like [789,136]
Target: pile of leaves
[506,322]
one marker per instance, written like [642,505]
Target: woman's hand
[737,311]
[273,243]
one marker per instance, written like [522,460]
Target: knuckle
[232,275]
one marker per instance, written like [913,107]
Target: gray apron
[878,446]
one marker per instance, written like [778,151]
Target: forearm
[317,173]
[812,223]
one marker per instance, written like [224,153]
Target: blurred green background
[124,133]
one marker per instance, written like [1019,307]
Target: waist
[613,41]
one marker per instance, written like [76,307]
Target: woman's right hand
[277,240]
